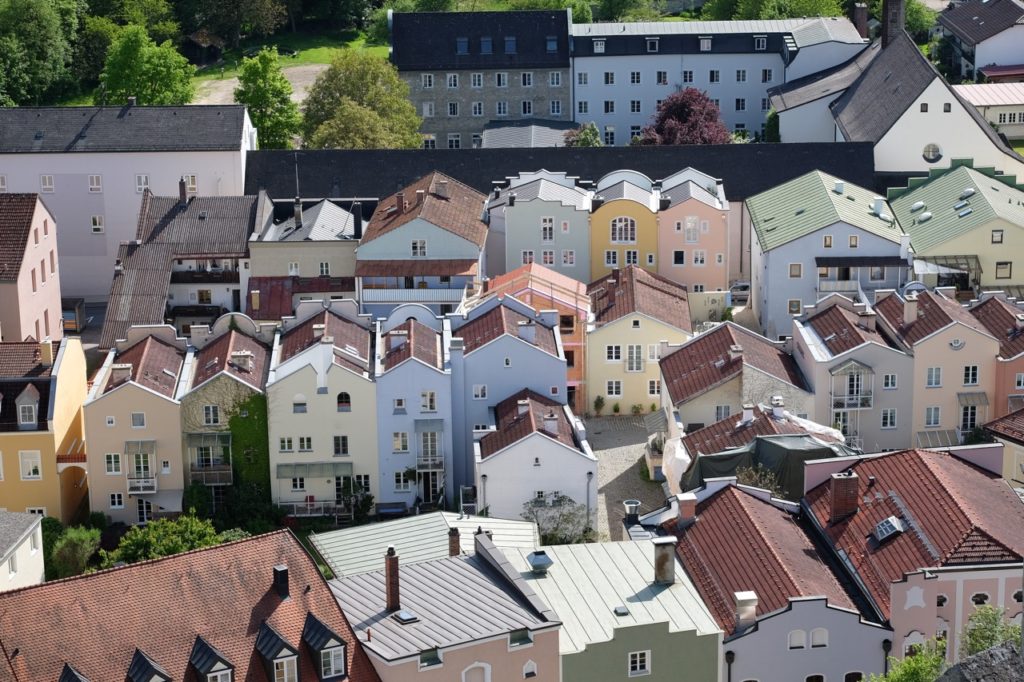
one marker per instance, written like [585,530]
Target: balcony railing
[854,401]
[141,484]
[212,474]
[315,508]
[204,277]
[430,462]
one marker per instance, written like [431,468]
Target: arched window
[979,598]
[344,402]
[912,642]
[814,678]
[623,230]
[941,600]
[797,639]
[853,677]
[478,672]
[819,638]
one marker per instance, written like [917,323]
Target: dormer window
[27,414]
[209,663]
[510,44]
[552,44]
[462,46]
[28,407]
[705,44]
[429,658]
[286,669]
[652,44]
[280,657]
[332,662]
[222,676]
[598,47]
[760,43]
[328,645]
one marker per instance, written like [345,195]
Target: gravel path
[618,444]
[223,91]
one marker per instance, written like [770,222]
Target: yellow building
[42,454]
[634,312]
[623,224]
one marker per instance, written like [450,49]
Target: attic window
[519,638]
[27,414]
[462,46]
[405,617]
[430,657]
[932,152]
[887,528]
[552,43]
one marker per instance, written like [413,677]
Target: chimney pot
[844,496]
[748,413]
[182,191]
[860,18]
[910,310]
[665,560]
[512,199]
[877,205]
[840,186]
[893,20]
[131,101]
[746,609]
[46,353]
[442,189]
[254,299]
[120,371]
[420,195]
[281,581]
[687,504]
[778,407]
[522,406]
[454,545]
[735,351]
[400,202]
[551,422]
[632,512]
[318,330]
[391,581]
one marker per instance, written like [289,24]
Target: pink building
[693,231]
[1004,319]
[29,279]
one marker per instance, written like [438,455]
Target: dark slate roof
[745,169]
[121,129]
[425,41]
[14,526]
[830,83]
[884,91]
[976,21]
[999,664]
[527,132]
[16,212]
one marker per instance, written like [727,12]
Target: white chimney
[748,413]
[318,330]
[522,406]
[527,331]
[442,189]
[420,193]
[877,205]
[254,299]
[1018,321]
[910,308]
[396,338]
[687,505]
[120,371]
[840,186]
[46,353]
[551,422]
[746,609]
[665,560]
[242,359]
[735,351]
[778,407]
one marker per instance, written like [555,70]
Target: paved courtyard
[618,443]
[222,91]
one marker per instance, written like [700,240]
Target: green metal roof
[809,203]
[944,197]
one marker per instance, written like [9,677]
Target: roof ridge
[754,519]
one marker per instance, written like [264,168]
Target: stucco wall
[714,273]
[979,242]
[571,233]
[700,410]
[30,305]
[811,122]
[271,259]
[1002,49]
[674,656]
[28,562]
[600,236]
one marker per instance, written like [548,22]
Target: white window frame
[112,463]
[613,353]
[654,387]
[116,501]
[96,224]
[332,662]
[211,415]
[890,382]
[428,401]
[288,670]
[929,412]
[400,441]
[479,391]
[46,184]
[971,374]
[191,183]
[638,663]
[27,414]
[419,248]
[888,418]
[933,377]
[95,184]
[30,457]
[305,443]
[613,388]
[634,357]
[476,80]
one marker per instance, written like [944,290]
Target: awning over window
[656,422]
[210,440]
[314,470]
[946,265]
[976,398]
[424,425]
[937,439]
[139,447]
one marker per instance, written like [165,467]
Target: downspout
[483,491]
[730,656]
[886,648]
[590,477]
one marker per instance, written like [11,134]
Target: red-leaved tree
[686,117]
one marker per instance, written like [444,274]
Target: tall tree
[924,666]
[360,86]
[686,117]
[42,33]
[587,135]
[987,627]
[72,551]
[137,67]
[94,40]
[162,537]
[234,19]
[263,88]
[15,82]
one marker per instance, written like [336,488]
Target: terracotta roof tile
[217,357]
[1010,426]
[934,312]
[1000,319]
[276,293]
[417,267]
[738,543]
[503,320]
[16,212]
[155,365]
[412,339]
[544,282]
[344,332]
[459,212]
[21,359]
[731,432]
[513,426]
[955,512]
[704,361]
[222,594]
[634,290]
[839,330]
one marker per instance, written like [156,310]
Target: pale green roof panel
[809,203]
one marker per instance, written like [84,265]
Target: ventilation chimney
[778,407]
[844,496]
[131,101]
[254,299]
[840,186]
[511,199]
[632,508]
[120,372]
[442,189]
[910,308]
[182,191]
[748,413]
[242,359]
[281,581]
[396,338]
[522,406]
[735,352]
[497,192]
[687,503]
[527,331]
[894,18]
[551,422]
[746,609]
[665,560]
[1018,321]
[860,18]
[454,546]
[400,203]
[318,330]
[867,321]
[877,205]
[391,583]
[539,562]
[298,213]
[46,353]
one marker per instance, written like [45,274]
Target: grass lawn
[1018,146]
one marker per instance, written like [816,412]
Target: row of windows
[661,77]
[343,403]
[636,106]
[287,444]
[699,258]
[360,483]
[526,108]
[653,44]
[1011,117]
[485,44]
[47,184]
[933,376]
[946,107]
[30,463]
[547,257]
[501,80]
[613,388]
[140,465]
[12,562]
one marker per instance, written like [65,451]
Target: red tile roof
[738,543]
[513,426]
[731,433]
[20,359]
[1000,319]
[417,267]
[216,357]
[955,513]
[223,594]
[934,312]
[458,210]
[704,362]
[842,330]
[503,320]
[344,332]
[421,342]
[155,365]
[16,212]
[1010,426]
[276,293]
[634,290]
[542,282]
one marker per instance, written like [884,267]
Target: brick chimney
[860,18]
[665,560]
[910,309]
[182,191]
[391,583]
[894,19]
[454,546]
[400,202]
[281,581]
[844,496]
[746,609]
[46,353]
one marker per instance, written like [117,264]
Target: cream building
[21,550]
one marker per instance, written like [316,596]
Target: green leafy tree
[162,537]
[43,49]
[686,117]
[52,530]
[198,498]
[153,74]
[615,10]
[581,12]
[359,102]
[236,18]
[587,135]
[247,506]
[719,10]
[785,9]
[233,534]
[378,31]
[73,550]
[435,5]
[15,84]
[919,17]
[925,665]
[94,40]
[987,627]
[264,90]
[772,133]
[759,476]
[560,520]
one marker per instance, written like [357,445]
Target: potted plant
[598,404]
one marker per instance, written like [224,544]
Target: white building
[21,550]
[1002,104]
[92,164]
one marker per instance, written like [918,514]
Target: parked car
[740,292]
[73,314]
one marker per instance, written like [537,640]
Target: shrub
[637,409]
[598,404]
[615,408]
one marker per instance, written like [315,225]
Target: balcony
[854,401]
[211,474]
[141,483]
[375,295]
[433,462]
[313,507]
[204,277]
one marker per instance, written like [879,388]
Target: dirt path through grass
[222,91]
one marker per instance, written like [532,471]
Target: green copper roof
[809,203]
[954,211]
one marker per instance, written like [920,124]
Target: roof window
[888,527]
